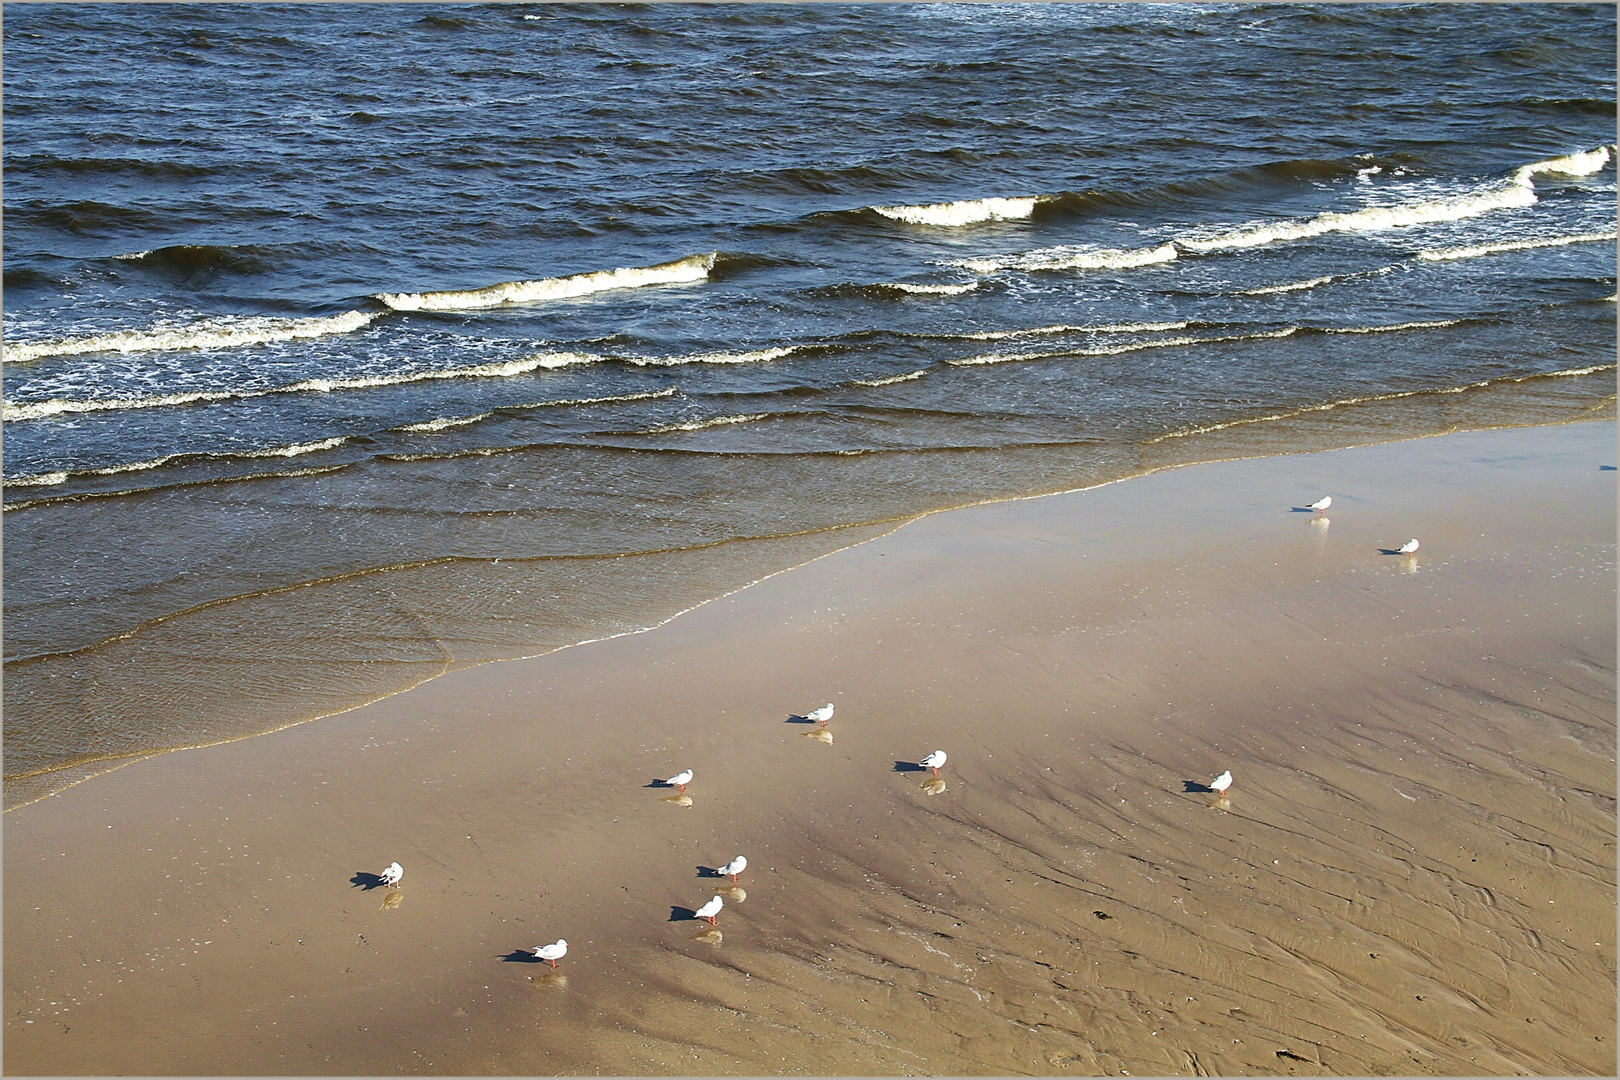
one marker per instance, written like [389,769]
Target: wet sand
[1414,871]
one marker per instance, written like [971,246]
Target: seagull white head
[680,779]
[821,715]
[735,867]
[933,761]
[552,953]
[711,909]
[391,874]
[1222,782]
[1408,547]
[1320,504]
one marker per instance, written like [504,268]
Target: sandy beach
[1413,872]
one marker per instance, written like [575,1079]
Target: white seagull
[735,867]
[711,909]
[552,953]
[933,761]
[821,715]
[391,874]
[1320,504]
[1408,547]
[680,779]
[1222,782]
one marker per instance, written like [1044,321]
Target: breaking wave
[1446,254]
[1293,286]
[952,215]
[691,268]
[461,421]
[928,290]
[216,333]
[1119,328]
[698,425]
[1071,258]
[890,380]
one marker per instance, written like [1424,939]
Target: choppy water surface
[345,344]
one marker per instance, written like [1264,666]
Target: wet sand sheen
[1413,872]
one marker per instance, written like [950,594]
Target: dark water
[346,344]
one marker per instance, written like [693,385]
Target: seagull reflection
[710,935]
[735,893]
[392,899]
[679,800]
[934,786]
[820,735]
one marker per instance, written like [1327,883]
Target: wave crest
[1446,254]
[217,333]
[952,215]
[691,268]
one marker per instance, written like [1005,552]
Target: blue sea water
[345,344]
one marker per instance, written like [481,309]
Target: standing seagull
[1222,782]
[552,953]
[1320,505]
[933,761]
[391,874]
[821,715]
[735,867]
[680,779]
[711,909]
[1407,548]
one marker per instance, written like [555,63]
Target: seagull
[391,874]
[680,779]
[552,953]
[1222,782]
[735,867]
[1321,504]
[821,715]
[933,761]
[1407,548]
[711,909]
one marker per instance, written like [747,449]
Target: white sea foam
[965,212]
[891,380]
[931,290]
[698,425]
[691,268]
[754,357]
[1117,328]
[1391,327]
[58,477]
[1071,258]
[217,333]
[1114,350]
[1293,286]
[1517,191]
[1445,254]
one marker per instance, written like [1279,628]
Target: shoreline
[1180,623]
[29,787]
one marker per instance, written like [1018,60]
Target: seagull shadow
[366,881]
[681,914]
[795,718]
[1394,551]
[1193,785]
[1608,468]
[521,956]
[709,872]
[1301,510]
[909,766]
[659,784]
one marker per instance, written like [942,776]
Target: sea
[345,345]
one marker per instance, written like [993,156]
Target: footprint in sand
[820,735]
[679,800]
[934,786]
